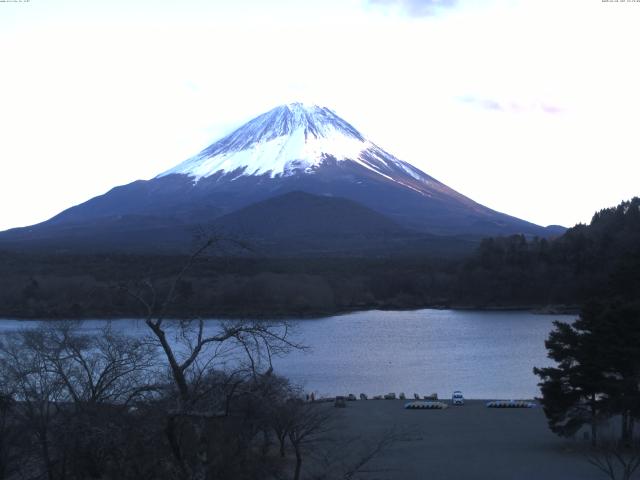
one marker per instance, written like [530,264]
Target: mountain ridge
[290,148]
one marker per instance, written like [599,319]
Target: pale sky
[529,107]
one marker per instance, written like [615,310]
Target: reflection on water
[484,354]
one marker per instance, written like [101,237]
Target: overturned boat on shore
[510,404]
[425,405]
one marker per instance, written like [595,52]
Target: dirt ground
[464,442]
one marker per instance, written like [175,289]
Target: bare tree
[37,390]
[371,451]
[71,390]
[280,419]
[110,367]
[192,350]
[308,424]
[350,457]
[8,435]
[617,460]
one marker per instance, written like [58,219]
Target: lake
[485,354]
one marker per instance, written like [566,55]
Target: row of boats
[422,405]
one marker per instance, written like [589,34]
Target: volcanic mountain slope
[299,223]
[296,214]
[302,224]
[292,148]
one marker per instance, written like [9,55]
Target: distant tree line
[588,261]
[599,259]
[69,286]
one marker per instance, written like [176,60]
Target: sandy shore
[466,442]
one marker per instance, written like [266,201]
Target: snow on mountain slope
[291,139]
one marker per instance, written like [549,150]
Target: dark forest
[587,261]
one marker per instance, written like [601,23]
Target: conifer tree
[598,370]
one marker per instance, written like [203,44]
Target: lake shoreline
[542,309]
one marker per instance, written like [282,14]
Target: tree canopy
[598,369]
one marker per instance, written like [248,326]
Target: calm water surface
[484,354]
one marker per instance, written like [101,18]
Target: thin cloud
[511,106]
[417,8]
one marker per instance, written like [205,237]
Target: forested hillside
[588,261]
[599,259]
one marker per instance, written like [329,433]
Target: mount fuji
[288,170]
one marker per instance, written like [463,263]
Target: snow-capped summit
[290,139]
